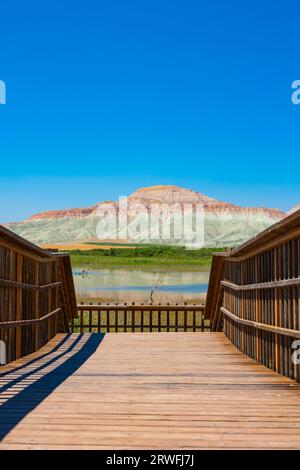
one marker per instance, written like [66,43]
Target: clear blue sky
[106,96]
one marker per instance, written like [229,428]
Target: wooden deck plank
[145,391]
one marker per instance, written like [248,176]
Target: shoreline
[201,299]
[163,267]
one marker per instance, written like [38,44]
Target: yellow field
[81,246]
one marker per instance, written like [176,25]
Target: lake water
[135,284]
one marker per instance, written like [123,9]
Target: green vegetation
[144,255]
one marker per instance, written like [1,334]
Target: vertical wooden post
[257,306]
[277,297]
[37,305]
[242,299]
[19,306]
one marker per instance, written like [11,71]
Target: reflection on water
[136,284]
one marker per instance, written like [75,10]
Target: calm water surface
[135,284]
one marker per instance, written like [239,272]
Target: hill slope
[225,224]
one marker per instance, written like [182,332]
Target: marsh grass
[153,255]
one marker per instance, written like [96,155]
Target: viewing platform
[134,376]
[146,391]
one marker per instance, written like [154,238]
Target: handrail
[30,321]
[254,296]
[141,317]
[36,292]
[22,285]
[262,285]
[262,326]
[141,306]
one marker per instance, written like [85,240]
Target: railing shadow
[23,394]
[30,362]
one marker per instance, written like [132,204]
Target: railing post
[179,314]
[257,308]
[277,294]
[19,306]
[37,305]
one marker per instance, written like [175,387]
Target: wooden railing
[37,297]
[115,318]
[254,296]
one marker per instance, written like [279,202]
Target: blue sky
[106,97]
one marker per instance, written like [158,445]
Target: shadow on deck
[146,391]
[24,387]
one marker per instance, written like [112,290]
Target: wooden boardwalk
[145,391]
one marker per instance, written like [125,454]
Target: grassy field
[143,255]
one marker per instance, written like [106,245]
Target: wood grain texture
[255,298]
[37,296]
[146,391]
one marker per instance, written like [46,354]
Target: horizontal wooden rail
[254,296]
[37,296]
[262,326]
[138,307]
[31,321]
[22,285]
[139,318]
[262,285]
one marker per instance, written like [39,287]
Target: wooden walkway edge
[145,391]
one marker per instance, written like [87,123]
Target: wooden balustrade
[37,297]
[110,318]
[256,299]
